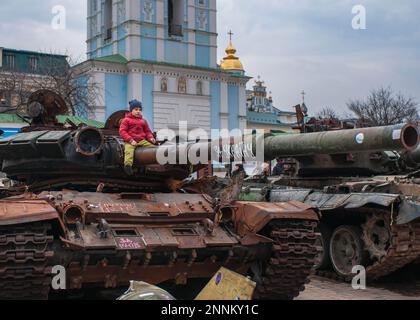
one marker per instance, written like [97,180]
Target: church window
[182,85]
[164,85]
[199,88]
[94,6]
[202,20]
[108,19]
[175,17]
[33,64]
[148,11]
[121,11]
[9,61]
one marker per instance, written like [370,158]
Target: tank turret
[48,154]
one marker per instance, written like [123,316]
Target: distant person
[278,169]
[238,169]
[136,133]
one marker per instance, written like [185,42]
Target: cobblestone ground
[325,289]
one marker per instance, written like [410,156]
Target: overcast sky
[293,45]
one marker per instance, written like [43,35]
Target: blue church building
[164,53]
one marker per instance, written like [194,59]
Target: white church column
[160,30]
[114,26]
[133,9]
[224,106]
[213,51]
[98,78]
[191,34]
[134,86]
[191,49]
[132,43]
[242,107]
[213,29]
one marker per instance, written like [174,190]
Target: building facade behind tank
[21,67]
[164,53]
[262,114]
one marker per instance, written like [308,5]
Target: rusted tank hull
[106,240]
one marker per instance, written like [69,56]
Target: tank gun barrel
[398,137]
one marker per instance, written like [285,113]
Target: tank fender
[252,217]
[19,211]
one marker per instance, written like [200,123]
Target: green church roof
[13,118]
[116,58]
[79,120]
[10,118]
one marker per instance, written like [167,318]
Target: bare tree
[383,107]
[327,113]
[77,89]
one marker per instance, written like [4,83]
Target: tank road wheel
[377,236]
[347,250]
[25,261]
[322,259]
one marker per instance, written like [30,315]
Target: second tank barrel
[398,137]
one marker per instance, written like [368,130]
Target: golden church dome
[231,62]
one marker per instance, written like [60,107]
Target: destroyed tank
[367,220]
[77,214]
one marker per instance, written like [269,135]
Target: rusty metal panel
[191,242]
[117,208]
[136,205]
[129,243]
[219,237]
[251,217]
[406,188]
[24,211]
[166,237]
[278,207]
[91,240]
[150,238]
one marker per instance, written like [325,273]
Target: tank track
[404,249]
[292,260]
[25,256]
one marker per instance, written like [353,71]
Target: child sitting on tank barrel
[136,132]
